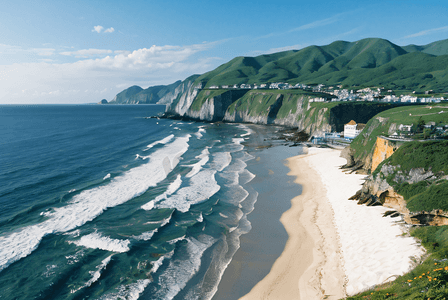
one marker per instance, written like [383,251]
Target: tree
[426,133]
[421,123]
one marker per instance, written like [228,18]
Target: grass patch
[427,155]
[434,197]
[363,144]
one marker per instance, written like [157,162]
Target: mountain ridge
[367,62]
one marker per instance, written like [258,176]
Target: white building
[352,129]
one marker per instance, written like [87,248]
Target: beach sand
[310,265]
[335,247]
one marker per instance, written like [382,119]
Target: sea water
[101,202]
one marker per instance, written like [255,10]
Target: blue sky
[84,51]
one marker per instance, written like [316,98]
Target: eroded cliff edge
[413,182]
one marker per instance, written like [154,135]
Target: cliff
[412,181]
[160,94]
[361,153]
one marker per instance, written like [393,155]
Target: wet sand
[310,267]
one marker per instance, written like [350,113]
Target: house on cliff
[352,129]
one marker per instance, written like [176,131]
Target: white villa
[352,129]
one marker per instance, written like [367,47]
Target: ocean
[102,202]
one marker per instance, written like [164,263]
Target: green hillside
[435,48]
[368,62]
[387,122]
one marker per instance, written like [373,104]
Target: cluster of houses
[407,131]
[352,130]
[376,94]
[339,94]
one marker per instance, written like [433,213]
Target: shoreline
[335,247]
[310,266]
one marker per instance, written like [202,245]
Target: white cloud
[49,82]
[318,23]
[44,51]
[287,48]
[100,29]
[426,32]
[86,53]
[97,28]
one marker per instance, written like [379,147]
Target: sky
[71,52]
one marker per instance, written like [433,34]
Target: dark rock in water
[104,101]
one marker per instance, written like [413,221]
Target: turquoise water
[100,202]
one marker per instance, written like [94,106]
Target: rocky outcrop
[173,93]
[215,108]
[286,109]
[268,116]
[377,191]
[183,101]
[104,101]
[384,148]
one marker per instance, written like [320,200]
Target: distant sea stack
[104,101]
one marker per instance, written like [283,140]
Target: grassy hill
[386,123]
[368,62]
[137,95]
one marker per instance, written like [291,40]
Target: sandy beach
[335,247]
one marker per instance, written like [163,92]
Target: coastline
[310,267]
[335,247]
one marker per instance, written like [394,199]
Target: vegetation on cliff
[417,171]
[387,122]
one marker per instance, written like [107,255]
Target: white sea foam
[74,233]
[73,259]
[246,157]
[248,130]
[202,186]
[237,166]
[174,241]
[162,141]
[199,132]
[128,292]
[89,204]
[181,269]
[145,236]
[237,140]
[195,168]
[246,176]
[231,178]
[221,160]
[95,274]
[174,186]
[107,176]
[97,241]
[158,263]
[149,205]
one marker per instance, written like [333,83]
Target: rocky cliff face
[181,104]
[376,190]
[181,88]
[368,150]
[287,108]
[384,148]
